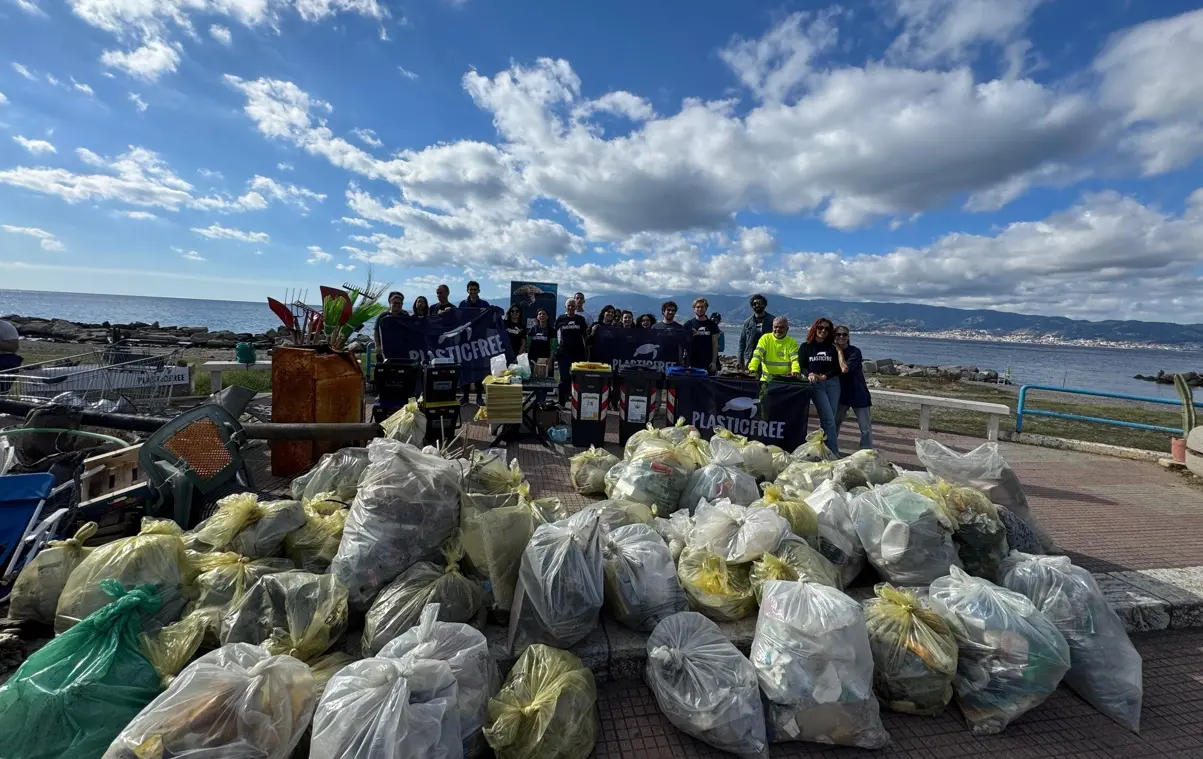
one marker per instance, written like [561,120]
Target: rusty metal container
[312,385]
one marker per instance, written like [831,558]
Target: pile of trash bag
[1010,656]
[408,503]
[336,473]
[505,533]
[865,468]
[35,594]
[399,606]
[247,526]
[838,541]
[675,531]
[72,697]
[1105,668]
[814,449]
[802,519]
[705,686]
[801,478]
[914,652]
[983,468]
[292,612]
[641,579]
[239,700]
[812,659]
[488,472]
[723,477]
[560,585]
[907,537]
[313,546]
[545,710]
[226,577]
[757,457]
[655,476]
[587,470]
[793,559]
[466,651]
[739,534]
[155,556]
[717,589]
[677,433]
[407,425]
[383,708]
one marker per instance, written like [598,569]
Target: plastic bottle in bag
[907,537]
[35,594]
[641,579]
[545,710]
[914,652]
[587,470]
[717,589]
[293,612]
[793,559]
[705,686]
[1105,668]
[1010,655]
[812,658]
[737,533]
[838,540]
[336,473]
[654,476]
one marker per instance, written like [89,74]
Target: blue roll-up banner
[467,336]
[531,296]
[773,413]
[644,348]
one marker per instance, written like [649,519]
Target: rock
[884,365]
[65,330]
[869,367]
[990,376]
[913,371]
[154,325]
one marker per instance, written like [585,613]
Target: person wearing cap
[757,325]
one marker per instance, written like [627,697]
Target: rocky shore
[1193,379]
[62,331]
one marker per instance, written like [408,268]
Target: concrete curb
[1146,600]
[1081,446]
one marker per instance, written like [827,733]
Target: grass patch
[974,424]
[259,380]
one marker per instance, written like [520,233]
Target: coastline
[1043,340]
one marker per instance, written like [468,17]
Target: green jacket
[775,356]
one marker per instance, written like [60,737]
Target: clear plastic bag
[174,646]
[488,472]
[1105,668]
[801,517]
[983,468]
[614,514]
[717,589]
[641,579]
[676,434]
[400,604]
[654,476]
[560,585]
[814,449]
[914,652]
[293,612]
[505,533]
[695,450]
[865,468]
[247,526]
[1010,656]
[237,702]
[465,649]
[793,560]
[388,709]
[638,439]
[587,470]
[724,477]
[226,577]
[313,546]
[407,425]
[801,478]
[978,532]
[838,540]
[327,666]
[336,473]
[407,505]
[71,697]
[545,710]
[757,457]
[705,686]
[907,536]
[155,556]
[781,460]
[675,531]
[812,658]
[737,533]
[35,594]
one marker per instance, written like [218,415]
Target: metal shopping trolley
[119,377]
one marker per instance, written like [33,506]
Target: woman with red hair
[821,362]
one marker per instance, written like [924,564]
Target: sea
[1107,369]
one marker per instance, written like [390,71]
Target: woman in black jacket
[516,329]
[854,391]
[821,362]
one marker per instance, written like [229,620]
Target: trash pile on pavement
[242,637]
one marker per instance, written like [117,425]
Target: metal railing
[1023,410]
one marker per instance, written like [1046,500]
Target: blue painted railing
[1024,410]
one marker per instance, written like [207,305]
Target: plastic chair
[22,535]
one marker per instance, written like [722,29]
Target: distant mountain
[910,317]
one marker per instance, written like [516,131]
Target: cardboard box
[541,368]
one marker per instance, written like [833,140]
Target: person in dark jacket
[854,391]
[756,326]
[473,301]
[821,362]
[441,302]
[570,330]
[539,337]
[516,328]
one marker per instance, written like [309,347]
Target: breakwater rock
[1193,379]
[59,330]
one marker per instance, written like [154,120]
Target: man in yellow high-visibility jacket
[776,353]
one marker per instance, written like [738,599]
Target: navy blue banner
[644,348]
[772,412]
[467,336]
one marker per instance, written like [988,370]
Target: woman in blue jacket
[854,391]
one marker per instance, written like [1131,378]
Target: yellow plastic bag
[914,652]
[800,478]
[296,613]
[793,560]
[814,449]
[407,425]
[173,647]
[226,577]
[677,433]
[801,517]
[505,532]
[35,594]
[978,532]
[488,472]
[587,470]
[312,547]
[245,525]
[545,710]
[155,556]
[638,439]
[715,588]
[695,450]
[616,513]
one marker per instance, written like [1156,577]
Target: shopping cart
[120,377]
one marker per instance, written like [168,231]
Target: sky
[1036,156]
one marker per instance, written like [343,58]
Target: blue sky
[978,153]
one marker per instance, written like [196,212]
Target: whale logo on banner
[467,336]
[644,348]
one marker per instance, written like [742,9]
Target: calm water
[1097,368]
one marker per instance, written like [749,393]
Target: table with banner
[772,412]
[629,347]
[469,337]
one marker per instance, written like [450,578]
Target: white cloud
[24,72]
[45,239]
[34,146]
[139,215]
[776,64]
[345,267]
[81,87]
[192,255]
[288,194]
[3,99]
[138,177]
[211,174]
[407,73]
[362,223]
[284,166]
[318,256]
[218,232]
[138,102]
[53,80]
[949,30]
[367,137]
[148,62]
[30,7]
[222,34]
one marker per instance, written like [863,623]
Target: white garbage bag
[907,537]
[465,649]
[1010,656]
[653,476]
[408,425]
[812,658]
[641,579]
[737,533]
[407,506]
[675,531]
[1105,668]
[838,540]
[724,477]
[336,473]
[705,686]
